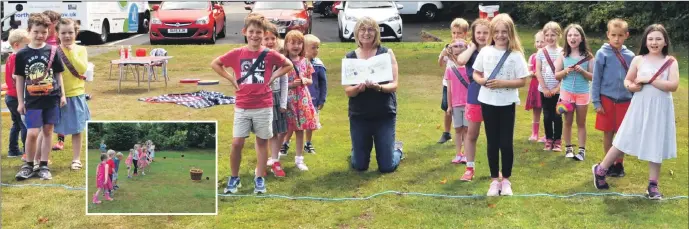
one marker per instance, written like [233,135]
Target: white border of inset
[86,196]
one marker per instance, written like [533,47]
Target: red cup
[141,52]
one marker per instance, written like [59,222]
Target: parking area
[324,28]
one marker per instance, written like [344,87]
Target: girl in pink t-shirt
[533,97]
[103,181]
[457,90]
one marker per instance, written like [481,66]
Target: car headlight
[299,21]
[350,18]
[394,18]
[155,21]
[202,21]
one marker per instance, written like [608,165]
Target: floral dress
[301,114]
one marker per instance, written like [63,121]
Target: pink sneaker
[95,199]
[458,159]
[533,138]
[541,140]
[276,168]
[464,160]
[494,189]
[548,145]
[557,146]
[468,175]
[107,197]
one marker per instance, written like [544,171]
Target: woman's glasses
[369,30]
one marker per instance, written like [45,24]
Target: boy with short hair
[18,39]
[319,88]
[40,94]
[254,98]
[459,28]
[610,98]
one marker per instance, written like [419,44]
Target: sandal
[76,165]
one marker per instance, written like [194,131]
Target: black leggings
[499,122]
[135,164]
[552,122]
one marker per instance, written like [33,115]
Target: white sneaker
[494,189]
[270,162]
[299,161]
[506,188]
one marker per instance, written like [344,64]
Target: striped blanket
[199,99]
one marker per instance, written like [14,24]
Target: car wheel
[213,36]
[428,12]
[105,32]
[339,35]
[223,32]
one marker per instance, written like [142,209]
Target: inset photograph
[151,168]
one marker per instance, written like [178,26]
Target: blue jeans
[367,132]
[17,126]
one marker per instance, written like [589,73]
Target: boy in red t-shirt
[18,39]
[254,98]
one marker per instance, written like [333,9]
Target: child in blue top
[319,88]
[609,96]
[103,147]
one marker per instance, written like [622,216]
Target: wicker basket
[196,174]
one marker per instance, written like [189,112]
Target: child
[500,68]
[480,31]
[103,147]
[301,113]
[55,18]
[135,158]
[648,129]
[129,163]
[533,97]
[549,87]
[152,150]
[457,86]
[111,165]
[254,106]
[574,68]
[18,39]
[103,182]
[279,88]
[143,160]
[39,91]
[319,87]
[459,28]
[118,158]
[75,114]
[609,97]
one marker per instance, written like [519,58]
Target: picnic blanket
[199,99]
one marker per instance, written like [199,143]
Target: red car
[198,21]
[286,16]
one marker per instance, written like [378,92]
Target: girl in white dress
[648,129]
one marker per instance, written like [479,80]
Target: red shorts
[473,113]
[613,115]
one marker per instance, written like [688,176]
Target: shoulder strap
[547,58]
[254,65]
[53,49]
[499,66]
[460,76]
[68,64]
[586,58]
[351,55]
[662,69]
[296,69]
[621,59]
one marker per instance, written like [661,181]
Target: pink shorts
[473,113]
[580,99]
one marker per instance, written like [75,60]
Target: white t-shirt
[515,67]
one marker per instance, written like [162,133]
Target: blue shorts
[36,118]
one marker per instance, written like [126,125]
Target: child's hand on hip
[600,110]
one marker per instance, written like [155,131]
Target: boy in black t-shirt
[39,91]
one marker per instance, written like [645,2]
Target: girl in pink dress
[301,114]
[128,162]
[102,179]
[143,160]
[533,97]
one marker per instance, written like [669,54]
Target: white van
[425,10]
[98,19]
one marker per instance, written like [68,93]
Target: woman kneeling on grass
[373,106]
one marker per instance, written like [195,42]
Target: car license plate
[177,30]
[381,29]
[282,30]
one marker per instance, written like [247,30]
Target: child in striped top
[549,87]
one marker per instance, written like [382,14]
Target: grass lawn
[166,188]
[426,165]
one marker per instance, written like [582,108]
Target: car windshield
[279,6]
[361,5]
[184,6]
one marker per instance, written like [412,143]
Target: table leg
[148,73]
[109,75]
[138,77]
[119,83]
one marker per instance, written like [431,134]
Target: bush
[121,136]
[177,141]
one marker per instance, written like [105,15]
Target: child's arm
[81,60]
[630,79]
[560,70]
[63,98]
[587,73]
[20,93]
[672,82]
[598,68]
[283,92]
[539,74]
[441,58]
[107,172]
[219,68]
[322,86]
[449,96]
[306,80]
[286,67]
[520,71]
[463,58]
